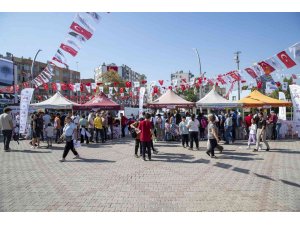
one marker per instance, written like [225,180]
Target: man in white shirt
[91,126]
[6,125]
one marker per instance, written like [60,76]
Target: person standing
[104,124]
[57,127]
[212,136]
[228,128]
[123,123]
[70,129]
[159,128]
[248,123]
[91,126]
[6,125]
[145,128]
[252,133]
[110,124]
[34,131]
[138,145]
[184,132]
[273,121]
[83,129]
[193,126]
[40,127]
[99,128]
[261,132]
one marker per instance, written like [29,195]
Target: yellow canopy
[257,99]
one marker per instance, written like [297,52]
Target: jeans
[194,137]
[202,130]
[91,130]
[105,133]
[69,146]
[278,126]
[274,133]
[57,136]
[146,145]
[228,136]
[185,139]
[123,131]
[82,137]
[7,138]
[99,132]
[137,146]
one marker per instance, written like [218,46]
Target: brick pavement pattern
[110,178]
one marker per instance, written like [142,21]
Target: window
[233,98]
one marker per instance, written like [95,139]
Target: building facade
[124,71]
[180,76]
[60,75]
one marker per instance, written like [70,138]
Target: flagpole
[202,75]
[32,65]
[237,60]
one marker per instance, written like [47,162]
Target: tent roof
[213,100]
[170,99]
[101,102]
[57,101]
[257,99]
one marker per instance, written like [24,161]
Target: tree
[189,95]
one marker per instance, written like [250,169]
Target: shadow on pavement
[263,176]
[279,150]
[223,165]
[30,151]
[290,183]
[91,160]
[241,170]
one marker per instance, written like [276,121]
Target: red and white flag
[235,75]
[161,82]
[251,72]
[274,63]
[79,29]
[68,49]
[286,59]
[221,80]
[266,67]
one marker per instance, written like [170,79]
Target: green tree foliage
[189,95]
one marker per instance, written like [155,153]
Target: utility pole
[237,60]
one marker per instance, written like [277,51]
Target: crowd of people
[188,128]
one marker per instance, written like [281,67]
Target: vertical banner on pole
[282,110]
[26,95]
[141,101]
[295,96]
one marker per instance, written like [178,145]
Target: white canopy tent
[214,100]
[57,101]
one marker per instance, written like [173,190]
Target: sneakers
[255,150]
[62,160]
[248,147]
[77,157]
[213,156]
[190,148]
[267,149]
[208,153]
[155,151]
[198,148]
[136,156]
[144,158]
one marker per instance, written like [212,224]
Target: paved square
[109,178]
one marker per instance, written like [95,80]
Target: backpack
[203,123]
[133,133]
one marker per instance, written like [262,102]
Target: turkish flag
[251,72]
[287,61]
[64,86]
[155,90]
[128,84]
[68,49]
[266,67]
[82,86]
[220,79]
[71,87]
[161,82]
[116,84]
[182,87]
[46,87]
[54,87]
[121,90]
[170,87]
[79,29]
[278,84]
[144,81]
[259,84]
[88,84]
[235,75]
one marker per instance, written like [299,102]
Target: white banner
[26,95]
[141,101]
[93,86]
[295,96]
[101,89]
[136,84]
[77,87]
[285,86]
[88,88]
[111,89]
[58,86]
[282,110]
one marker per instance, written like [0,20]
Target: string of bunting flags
[79,32]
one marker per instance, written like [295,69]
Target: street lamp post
[237,60]
[32,65]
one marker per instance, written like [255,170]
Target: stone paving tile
[109,179]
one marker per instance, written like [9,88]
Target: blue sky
[156,44]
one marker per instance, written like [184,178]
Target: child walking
[252,133]
[49,134]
